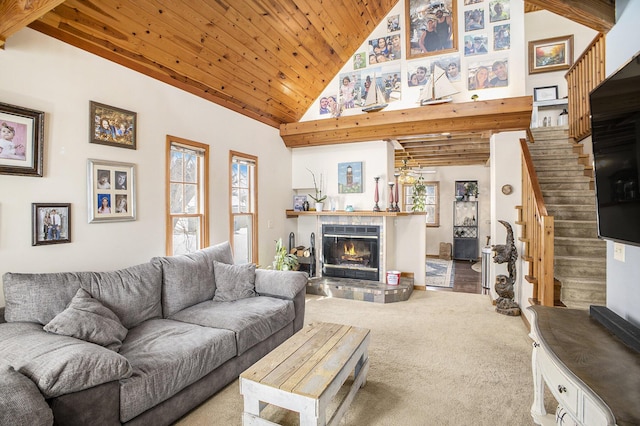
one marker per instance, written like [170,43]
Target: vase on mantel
[319,207]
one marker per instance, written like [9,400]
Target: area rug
[440,273]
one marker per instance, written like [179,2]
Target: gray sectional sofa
[142,345]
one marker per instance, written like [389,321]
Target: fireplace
[351,251]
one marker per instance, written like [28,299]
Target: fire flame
[349,249]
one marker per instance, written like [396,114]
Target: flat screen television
[615,126]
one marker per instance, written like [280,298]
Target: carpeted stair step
[576,228]
[543,164]
[572,211]
[574,185]
[550,133]
[584,247]
[580,267]
[561,196]
[568,170]
[580,293]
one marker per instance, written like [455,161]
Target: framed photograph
[298,202]
[111,191]
[547,93]
[431,28]
[551,54]
[21,141]
[112,126]
[51,223]
[350,177]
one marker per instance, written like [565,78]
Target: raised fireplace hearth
[351,251]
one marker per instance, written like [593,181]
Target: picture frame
[551,54]
[21,141]
[350,178]
[298,202]
[418,14]
[51,223]
[112,126]
[110,191]
[547,93]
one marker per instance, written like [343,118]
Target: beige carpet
[440,358]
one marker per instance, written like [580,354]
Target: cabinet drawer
[564,390]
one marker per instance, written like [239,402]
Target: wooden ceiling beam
[599,15]
[492,115]
[17,14]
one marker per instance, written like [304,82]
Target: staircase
[579,256]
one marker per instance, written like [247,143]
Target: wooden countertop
[293,213]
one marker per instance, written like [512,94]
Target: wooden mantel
[507,114]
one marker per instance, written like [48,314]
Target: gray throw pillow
[87,319]
[234,282]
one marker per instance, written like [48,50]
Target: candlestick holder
[396,208]
[376,196]
[390,208]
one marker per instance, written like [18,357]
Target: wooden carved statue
[504,285]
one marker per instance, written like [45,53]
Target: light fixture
[406,177]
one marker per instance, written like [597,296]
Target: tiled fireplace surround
[356,289]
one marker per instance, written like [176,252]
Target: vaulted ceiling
[266,59]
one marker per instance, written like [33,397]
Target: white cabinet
[579,400]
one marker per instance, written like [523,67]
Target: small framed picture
[551,54]
[298,202]
[21,141]
[111,191]
[112,126]
[547,93]
[350,177]
[51,223]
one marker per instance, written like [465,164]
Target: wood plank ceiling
[266,59]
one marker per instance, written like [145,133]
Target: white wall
[44,74]
[447,177]
[506,170]
[623,285]
[543,25]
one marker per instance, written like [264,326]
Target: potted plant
[318,198]
[419,196]
[471,190]
[284,261]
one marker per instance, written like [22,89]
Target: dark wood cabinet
[465,230]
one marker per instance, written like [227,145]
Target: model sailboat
[437,89]
[375,100]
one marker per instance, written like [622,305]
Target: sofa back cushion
[189,278]
[38,297]
[132,293]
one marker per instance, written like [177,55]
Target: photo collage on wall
[382,56]
[479,59]
[487,29]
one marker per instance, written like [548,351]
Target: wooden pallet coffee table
[306,372]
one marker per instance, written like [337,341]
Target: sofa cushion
[252,320]
[58,364]
[38,297]
[167,356]
[133,294]
[21,403]
[234,282]
[87,319]
[189,279]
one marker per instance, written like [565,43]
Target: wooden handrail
[537,232]
[585,74]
